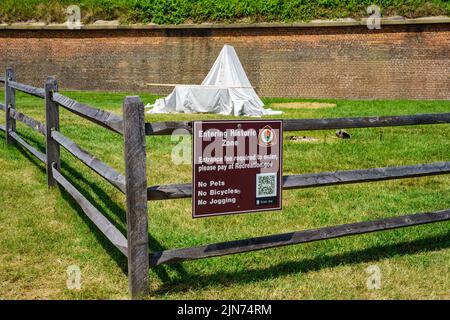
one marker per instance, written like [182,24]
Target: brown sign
[236,166]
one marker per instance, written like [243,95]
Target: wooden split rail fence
[133,183]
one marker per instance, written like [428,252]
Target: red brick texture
[396,62]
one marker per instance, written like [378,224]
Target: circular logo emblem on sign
[266,137]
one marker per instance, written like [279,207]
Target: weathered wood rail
[134,182]
[23,143]
[98,116]
[102,169]
[33,124]
[166,128]
[279,240]
[176,191]
[37,92]
[103,224]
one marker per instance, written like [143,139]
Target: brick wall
[398,61]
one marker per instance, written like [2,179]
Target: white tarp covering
[225,90]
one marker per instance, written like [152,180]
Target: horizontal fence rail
[33,124]
[266,242]
[101,117]
[176,191]
[98,116]
[167,128]
[102,169]
[102,223]
[37,92]
[365,122]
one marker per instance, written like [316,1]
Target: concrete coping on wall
[114,25]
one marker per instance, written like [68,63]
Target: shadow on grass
[154,244]
[114,253]
[196,281]
[77,179]
[119,212]
[40,165]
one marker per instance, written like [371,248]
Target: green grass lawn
[43,232]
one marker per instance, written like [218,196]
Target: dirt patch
[303,105]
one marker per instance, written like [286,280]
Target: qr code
[266,185]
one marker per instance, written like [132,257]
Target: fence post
[52,122]
[136,196]
[10,103]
